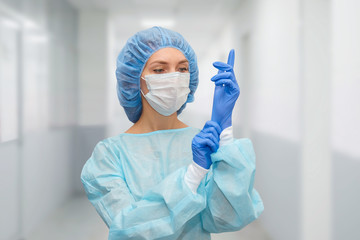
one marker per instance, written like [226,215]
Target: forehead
[167,55]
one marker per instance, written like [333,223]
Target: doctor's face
[165,60]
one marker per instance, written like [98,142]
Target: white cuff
[194,175]
[226,136]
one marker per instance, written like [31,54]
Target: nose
[172,69]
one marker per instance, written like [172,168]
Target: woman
[162,179]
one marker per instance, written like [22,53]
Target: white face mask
[167,91]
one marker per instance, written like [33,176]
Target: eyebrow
[184,61]
[164,62]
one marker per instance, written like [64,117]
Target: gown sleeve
[232,202]
[162,211]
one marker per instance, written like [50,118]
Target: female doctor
[162,179]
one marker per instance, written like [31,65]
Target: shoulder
[104,158]
[107,149]
[110,143]
[193,131]
[185,133]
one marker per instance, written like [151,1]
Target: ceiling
[158,6]
[198,20]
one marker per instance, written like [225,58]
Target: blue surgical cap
[133,57]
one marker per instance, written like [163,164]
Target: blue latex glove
[205,143]
[226,92]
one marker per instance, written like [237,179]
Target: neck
[151,120]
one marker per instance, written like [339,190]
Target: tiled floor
[78,220]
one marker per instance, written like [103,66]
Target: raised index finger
[231,58]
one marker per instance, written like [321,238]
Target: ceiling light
[168,23]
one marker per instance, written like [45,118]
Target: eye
[158,70]
[183,69]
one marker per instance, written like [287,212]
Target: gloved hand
[226,92]
[205,143]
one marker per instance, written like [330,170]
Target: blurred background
[298,66]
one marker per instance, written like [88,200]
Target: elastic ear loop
[146,86]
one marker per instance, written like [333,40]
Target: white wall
[315,93]
[301,69]
[270,109]
[346,77]
[93,65]
[275,68]
[345,118]
[36,172]
[93,93]
[9,178]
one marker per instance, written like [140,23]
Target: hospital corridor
[70,84]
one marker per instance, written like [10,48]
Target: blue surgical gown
[136,184]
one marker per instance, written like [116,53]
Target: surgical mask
[167,91]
